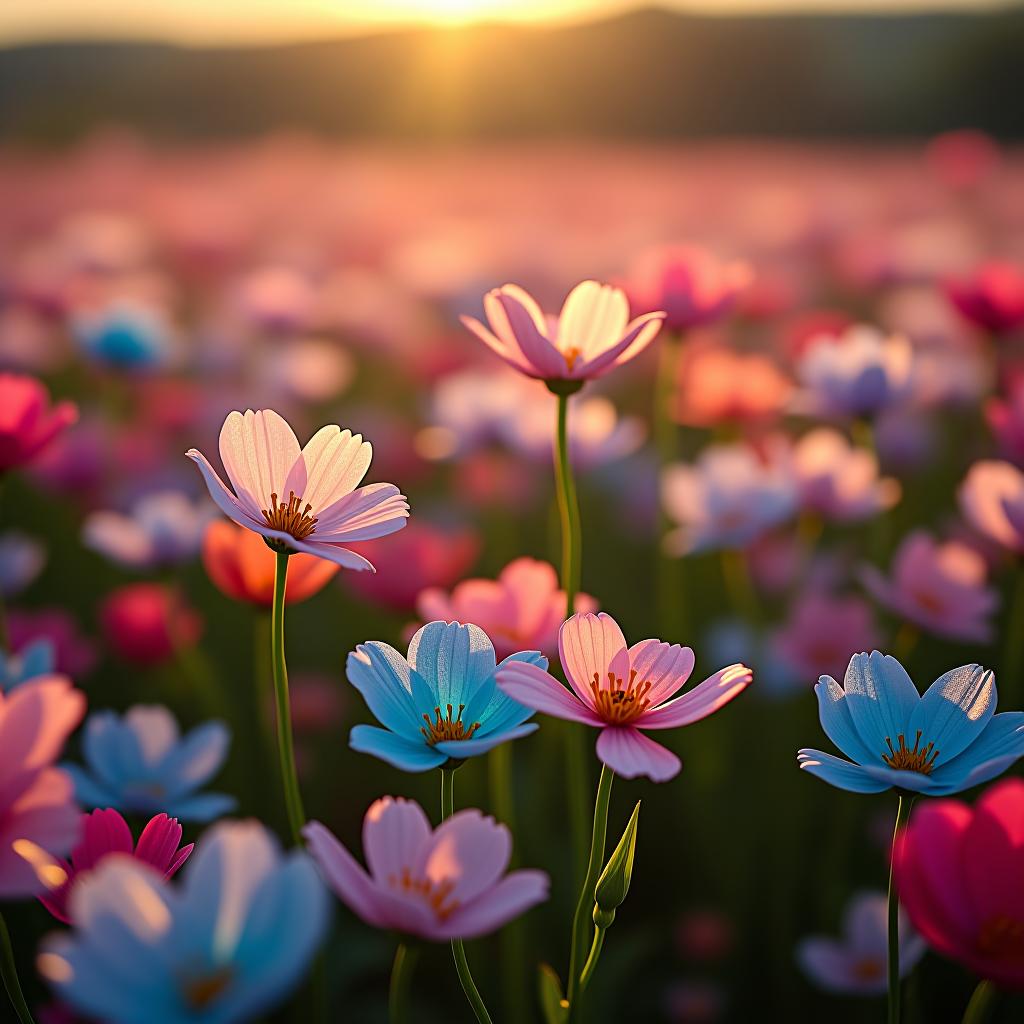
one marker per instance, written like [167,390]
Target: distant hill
[649,74]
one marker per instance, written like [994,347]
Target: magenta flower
[939,587]
[991,298]
[591,335]
[440,884]
[301,499]
[37,808]
[27,421]
[520,611]
[689,283]
[992,500]
[105,832]
[621,691]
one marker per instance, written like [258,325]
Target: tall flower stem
[902,814]
[473,996]
[401,980]
[572,548]
[585,905]
[979,1009]
[285,744]
[10,975]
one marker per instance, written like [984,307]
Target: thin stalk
[595,952]
[9,971]
[285,744]
[902,814]
[979,1009]
[401,981]
[585,905]
[473,996]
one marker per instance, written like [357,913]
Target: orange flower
[241,565]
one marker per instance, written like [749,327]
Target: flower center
[571,355]
[447,728]
[201,991]
[436,895]
[620,703]
[1002,938]
[919,759]
[291,517]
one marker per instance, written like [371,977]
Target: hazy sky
[231,21]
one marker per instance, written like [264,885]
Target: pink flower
[991,298]
[939,587]
[440,884]
[838,481]
[520,610]
[421,556]
[958,871]
[301,499]
[589,337]
[622,690]
[689,283]
[992,499]
[27,422]
[37,808]
[822,633]
[105,832]
[147,623]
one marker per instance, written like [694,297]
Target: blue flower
[139,763]
[127,336]
[441,702]
[37,658]
[227,944]
[945,741]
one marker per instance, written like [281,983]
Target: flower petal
[501,903]
[369,512]
[341,871]
[258,450]
[244,512]
[881,698]
[383,677]
[403,753]
[532,687]
[954,710]
[469,851]
[1000,744]
[394,833]
[454,660]
[481,744]
[665,666]
[330,466]
[590,645]
[704,699]
[629,753]
[836,720]
[839,773]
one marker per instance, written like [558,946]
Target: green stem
[285,744]
[572,545]
[591,964]
[585,905]
[473,996]
[902,814]
[9,971]
[980,1007]
[401,981]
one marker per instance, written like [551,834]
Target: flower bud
[613,885]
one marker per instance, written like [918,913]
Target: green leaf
[613,885]
[549,990]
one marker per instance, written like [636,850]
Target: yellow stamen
[620,703]
[291,517]
[919,759]
[571,355]
[447,728]
[435,894]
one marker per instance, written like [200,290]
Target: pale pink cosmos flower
[937,586]
[591,335]
[992,499]
[622,690]
[837,480]
[105,832]
[301,499]
[440,884]
[37,806]
[520,611]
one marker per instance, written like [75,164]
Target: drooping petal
[503,902]
[954,710]
[881,698]
[335,553]
[592,644]
[394,833]
[703,700]
[243,512]
[534,688]
[629,753]
[839,773]
[406,754]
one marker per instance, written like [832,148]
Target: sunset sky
[259,21]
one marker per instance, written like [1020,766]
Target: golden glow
[47,870]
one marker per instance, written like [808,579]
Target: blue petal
[834,713]
[839,773]
[481,744]
[999,745]
[498,712]
[396,750]
[111,749]
[954,710]
[381,675]
[195,759]
[201,807]
[454,660]
[91,793]
[881,698]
